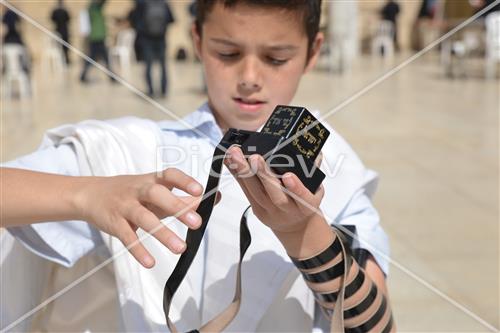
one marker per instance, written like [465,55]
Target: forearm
[366,305]
[307,242]
[31,197]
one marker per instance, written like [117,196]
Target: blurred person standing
[136,21]
[60,17]
[390,12]
[96,38]
[423,23]
[11,21]
[157,16]
[13,36]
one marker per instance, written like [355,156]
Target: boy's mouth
[249,104]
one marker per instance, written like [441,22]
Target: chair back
[385,29]
[13,55]
[125,38]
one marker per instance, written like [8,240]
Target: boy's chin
[248,124]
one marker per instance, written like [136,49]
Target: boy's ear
[196,41]
[315,51]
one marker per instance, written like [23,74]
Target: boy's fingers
[302,196]
[319,159]
[147,221]
[241,170]
[171,205]
[173,177]
[134,246]
[194,202]
[271,184]
[255,205]
[294,185]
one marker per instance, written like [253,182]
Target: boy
[254,54]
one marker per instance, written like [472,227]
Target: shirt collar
[200,123]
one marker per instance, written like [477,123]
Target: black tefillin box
[290,141]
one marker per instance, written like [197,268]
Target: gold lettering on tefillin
[308,139]
[287,122]
[307,120]
[280,121]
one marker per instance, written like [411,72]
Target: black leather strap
[363,305]
[324,257]
[327,275]
[194,238]
[350,289]
[370,323]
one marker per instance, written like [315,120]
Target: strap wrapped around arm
[346,295]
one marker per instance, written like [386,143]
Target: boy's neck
[218,120]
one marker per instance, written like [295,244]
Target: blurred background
[429,125]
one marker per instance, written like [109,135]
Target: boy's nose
[249,79]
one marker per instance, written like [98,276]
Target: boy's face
[253,59]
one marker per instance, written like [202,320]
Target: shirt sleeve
[359,212]
[60,242]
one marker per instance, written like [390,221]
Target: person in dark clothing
[12,35]
[157,16]
[60,17]
[390,13]
[427,9]
[136,20]
[96,38]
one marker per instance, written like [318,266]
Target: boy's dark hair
[310,11]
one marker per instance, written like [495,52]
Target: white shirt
[209,284]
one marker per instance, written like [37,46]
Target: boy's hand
[120,205]
[282,210]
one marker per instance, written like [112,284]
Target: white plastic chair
[384,39]
[53,57]
[13,56]
[123,51]
[492,43]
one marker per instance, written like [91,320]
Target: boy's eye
[276,62]
[229,55]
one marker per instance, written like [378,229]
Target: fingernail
[237,156]
[193,219]
[178,245]
[148,261]
[194,188]
[254,163]
[289,183]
